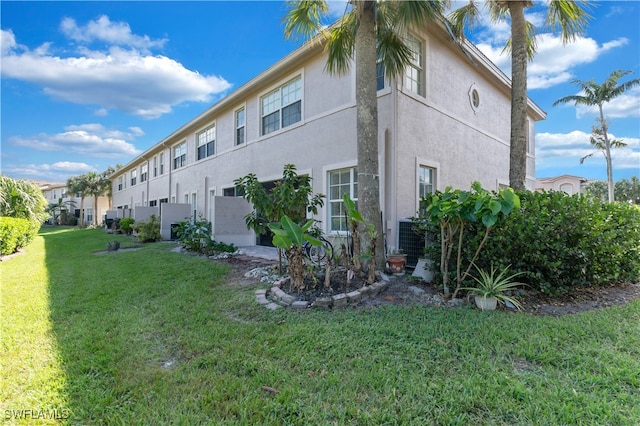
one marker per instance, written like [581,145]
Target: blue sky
[86,85]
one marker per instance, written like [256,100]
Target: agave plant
[496,284]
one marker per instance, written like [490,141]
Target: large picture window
[342,181]
[282,107]
[206,142]
[414,73]
[180,155]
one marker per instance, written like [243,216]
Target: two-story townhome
[58,194]
[445,123]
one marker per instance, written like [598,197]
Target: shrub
[126,225]
[196,236]
[147,231]
[16,233]
[558,242]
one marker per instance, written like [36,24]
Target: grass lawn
[155,337]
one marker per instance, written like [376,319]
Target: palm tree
[593,94]
[78,185]
[22,199]
[566,16]
[369,31]
[97,185]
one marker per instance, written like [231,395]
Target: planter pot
[397,263]
[486,303]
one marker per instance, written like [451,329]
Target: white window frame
[240,122]
[179,155]
[161,162]
[155,166]
[144,172]
[434,166]
[334,200]
[120,186]
[414,73]
[206,142]
[134,177]
[277,101]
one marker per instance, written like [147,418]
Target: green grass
[156,337]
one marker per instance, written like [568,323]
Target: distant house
[446,122]
[566,183]
[57,193]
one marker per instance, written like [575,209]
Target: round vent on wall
[474,97]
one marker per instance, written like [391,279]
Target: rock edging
[275,298]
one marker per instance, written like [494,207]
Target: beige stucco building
[445,123]
[566,183]
[57,193]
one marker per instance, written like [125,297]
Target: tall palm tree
[97,185]
[593,94]
[567,16]
[78,185]
[368,32]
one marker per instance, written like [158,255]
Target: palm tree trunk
[367,120]
[518,138]
[607,154]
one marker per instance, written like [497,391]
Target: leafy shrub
[147,231]
[196,236]
[126,225]
[16,233]
[559,241]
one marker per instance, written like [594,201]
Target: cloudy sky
[86,85]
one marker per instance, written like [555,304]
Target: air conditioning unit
[410,242]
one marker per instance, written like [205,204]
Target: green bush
[126,225]
[559,242]
[16,233]
[147,231]
[196,236]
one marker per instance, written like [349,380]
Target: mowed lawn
[154,337]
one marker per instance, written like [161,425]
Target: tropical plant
[495,284]
[22,199]
[452,211]
[356,222]
[78,185]
[566,16]
[59,210]
[148,231]
[126,225]
[593,94]
[291,237]
[369,31]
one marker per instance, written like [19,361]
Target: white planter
[424,270]
[486,303]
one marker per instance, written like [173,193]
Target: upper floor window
[206,142]
[240,123]
[134,176]
[144,172]
[380,75]
[343,181]
[161,163]
[426,181]
[180,155]
[282,107]
[414,73]
[155,166]
[120,183]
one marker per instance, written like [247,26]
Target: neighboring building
[445,123]
[57,193]
[566,183]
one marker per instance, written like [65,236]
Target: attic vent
[410,242]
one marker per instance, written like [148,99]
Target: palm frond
[532,45]
[304,18]
[463,18]
[418,13]
[569,18]
[341,40]
[394,53]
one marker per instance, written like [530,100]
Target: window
[282,107]
[164,200]
[240,119]
[89,215]
[161,162]
[194,201]
[155,166]
[380,75]
[567,188]
[180,156]
[144,172]
[153,203]
[426,181]
[414,74]
[186,198]
[206,142]
[232,192]
[343,181]
[134,175]
[119,183]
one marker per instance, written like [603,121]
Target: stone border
[275,298]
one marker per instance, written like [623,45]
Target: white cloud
[565,150]
[92,140]
[626,105]
[125,77]
[114,33]
[58,171]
